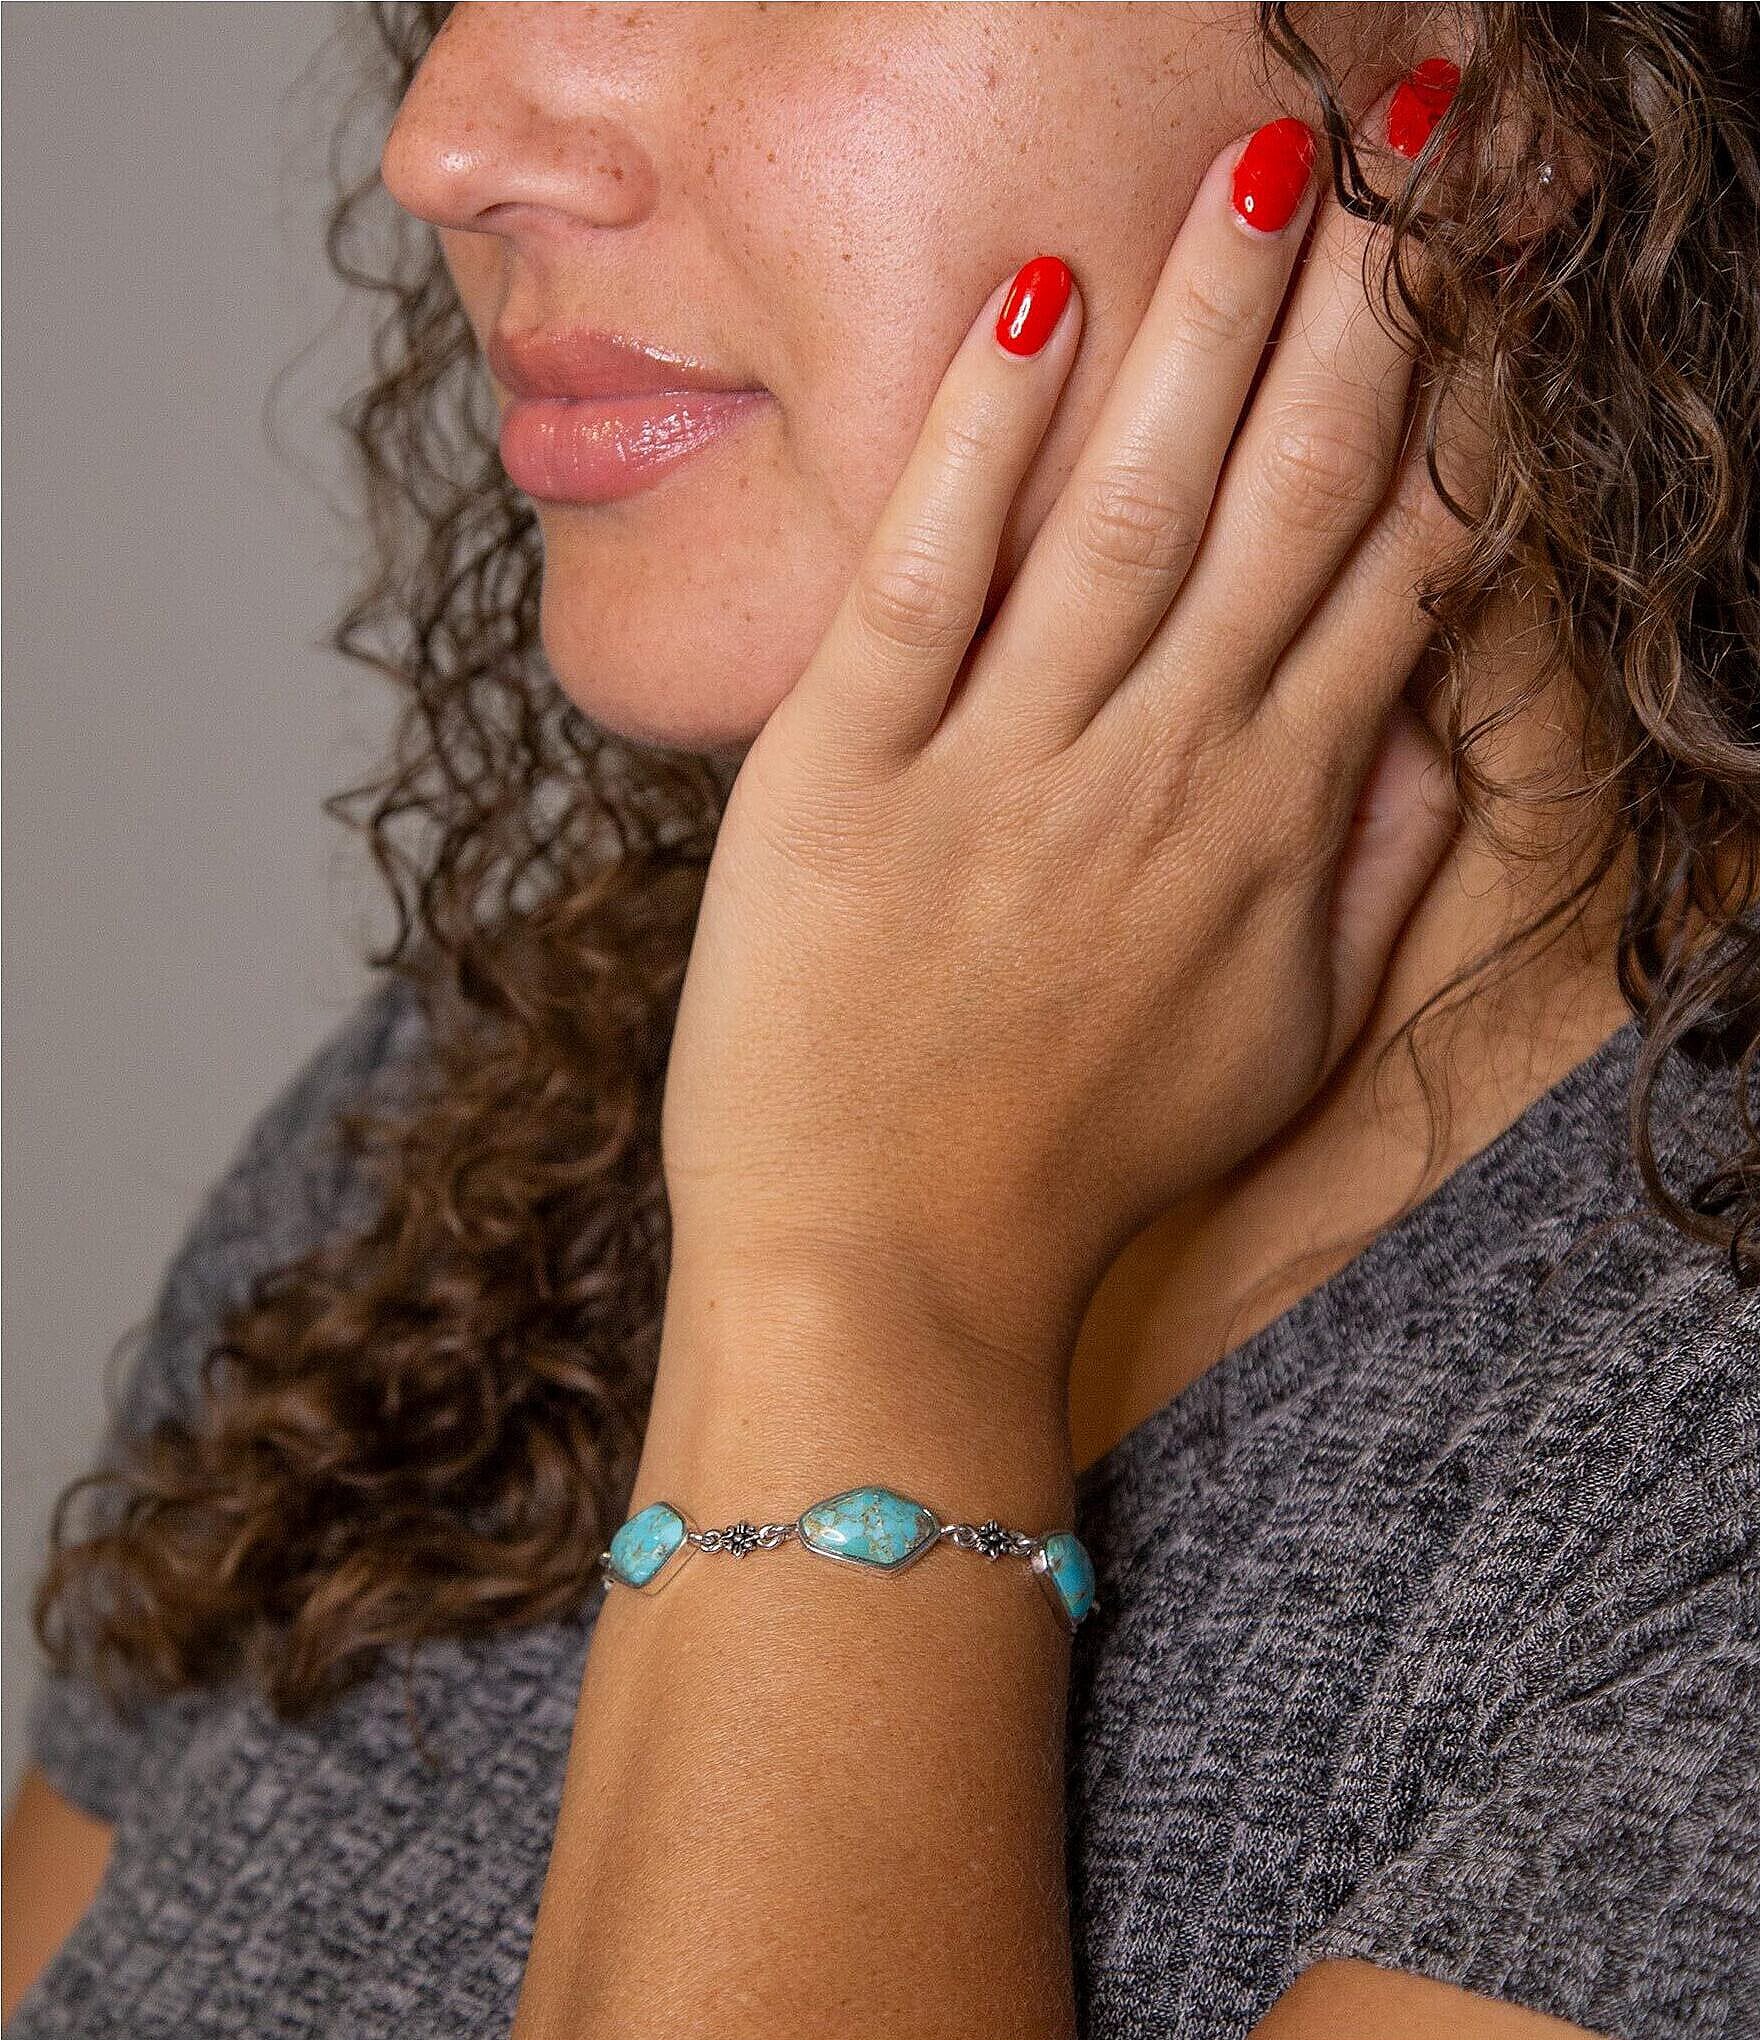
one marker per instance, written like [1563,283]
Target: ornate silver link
[989,1539]
[741,1538]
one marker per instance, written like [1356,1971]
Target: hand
[1007,945]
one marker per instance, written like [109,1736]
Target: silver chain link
[741,1538]
[990,1539]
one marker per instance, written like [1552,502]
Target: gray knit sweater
[1429,1635]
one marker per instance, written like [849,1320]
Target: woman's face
[814,201]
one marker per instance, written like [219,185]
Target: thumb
[1405,819]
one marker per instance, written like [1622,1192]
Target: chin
[661,699]
[660,653]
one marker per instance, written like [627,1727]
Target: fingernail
[1272,175]
[1420,102]
[1034,305]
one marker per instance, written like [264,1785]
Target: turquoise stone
[1071,1572]
[644,1544]
[869,1526]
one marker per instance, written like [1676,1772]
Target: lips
[576,362]
[595,417]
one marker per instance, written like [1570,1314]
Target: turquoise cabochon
[1071,1571]
[868,1526]
[644,1544]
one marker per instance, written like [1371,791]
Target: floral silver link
[990,1539]
[741,1538]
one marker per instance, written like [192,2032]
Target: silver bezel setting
[674,1562]
[1042,1566]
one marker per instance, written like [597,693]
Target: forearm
[802,1796]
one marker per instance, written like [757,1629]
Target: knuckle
[1414,533]
[1311,797]
[909,597]
[1132,527]
[1160,796]
[1319,809]
[1215,313]
[1401,531]
[970,441]
[1425,524]
[1321,474]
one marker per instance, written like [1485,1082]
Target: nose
[508,127]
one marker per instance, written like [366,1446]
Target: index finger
[880,678]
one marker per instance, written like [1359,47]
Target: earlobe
[1551,169]
[1556,175]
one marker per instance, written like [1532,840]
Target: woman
[1026,1136]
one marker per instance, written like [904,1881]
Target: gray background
[182,923]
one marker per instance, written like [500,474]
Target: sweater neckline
[1568,1140]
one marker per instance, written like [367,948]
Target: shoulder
[1632,1416]
[363,1058]
[1578,1469]
[1595,1364]
[289,1182]
[1640,1489]
[1566,1715]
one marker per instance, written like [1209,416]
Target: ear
[1546,168]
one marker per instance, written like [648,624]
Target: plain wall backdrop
[182,923]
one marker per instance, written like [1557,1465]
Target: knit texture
[1429,1634]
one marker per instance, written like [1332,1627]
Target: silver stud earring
[1543,176]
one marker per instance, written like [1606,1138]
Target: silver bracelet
[875,1528]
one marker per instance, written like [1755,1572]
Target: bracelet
[871,1527]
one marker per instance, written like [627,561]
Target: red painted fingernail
[1034,305]
[1420,102]
[1272,175]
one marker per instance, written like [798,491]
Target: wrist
[996,1321]
[774,1391]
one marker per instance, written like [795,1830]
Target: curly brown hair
[429,1426]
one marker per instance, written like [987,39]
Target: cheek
[1082,132]
[860,227]
[874,265]
[684,614]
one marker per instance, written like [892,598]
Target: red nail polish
[1420,102]
[1034,305]
[1272,175]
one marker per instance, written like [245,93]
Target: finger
[1406,817]
[1353,654]
[1114,548]
[1307,471]
[879,679]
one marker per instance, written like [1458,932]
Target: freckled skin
[817,198]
